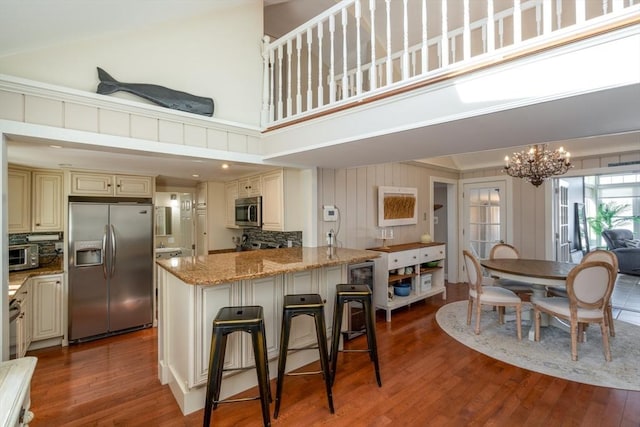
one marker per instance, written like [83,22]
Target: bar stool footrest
[240,399]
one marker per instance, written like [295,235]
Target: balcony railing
[365,49]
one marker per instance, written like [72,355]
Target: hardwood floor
[428,379]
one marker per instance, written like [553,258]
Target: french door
[563,244]
[484,216]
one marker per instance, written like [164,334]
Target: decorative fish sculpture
[157,94]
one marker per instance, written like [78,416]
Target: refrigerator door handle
[113,250]
[104,247]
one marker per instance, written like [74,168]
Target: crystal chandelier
[537,164]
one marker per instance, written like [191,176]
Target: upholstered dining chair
[507,251]
[488,295]
[597,255]
[589,287]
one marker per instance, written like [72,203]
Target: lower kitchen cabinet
[47,307]
[420,266]
[22,339]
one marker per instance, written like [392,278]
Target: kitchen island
[191,290]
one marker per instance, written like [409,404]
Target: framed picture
[397,206]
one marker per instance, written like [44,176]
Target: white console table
[15,381]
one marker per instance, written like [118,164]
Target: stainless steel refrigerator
[110,267]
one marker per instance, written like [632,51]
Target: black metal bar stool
[363,295]
[296,305]
[248,319]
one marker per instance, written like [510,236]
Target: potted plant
[608,216]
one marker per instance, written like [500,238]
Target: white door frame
[452,224]
[508,185]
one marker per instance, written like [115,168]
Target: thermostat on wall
[330,213]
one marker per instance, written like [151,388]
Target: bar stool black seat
[296,305]
[248,319]
[363,295]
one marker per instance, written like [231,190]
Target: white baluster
[517,22]
[581,12]
[298,74]
[309,69]
[358,15]
[280,88]
[547,14]
[617,5]
[345,82]
[501,31]
[272,78]
[373,70]
[444,46]
[320,85]
[491,28]
[332,73]
[538,19]
[466,37]
[264,114]
[453,49]
[289,78]
[558,14]
[405,43]
[605,6]
[425,46]
[389,74]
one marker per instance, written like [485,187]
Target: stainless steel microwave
[249,212]
[23,257]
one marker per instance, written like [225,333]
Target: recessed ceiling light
[195,175]
[225,166]
[55,146]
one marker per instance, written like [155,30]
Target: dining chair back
[589,287]
[506,251]
[488,295]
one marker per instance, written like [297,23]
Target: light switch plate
[330,213]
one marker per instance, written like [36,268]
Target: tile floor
[626,299]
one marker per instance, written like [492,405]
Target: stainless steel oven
[249,212]
[23,257]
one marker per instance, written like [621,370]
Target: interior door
[484,216]
[563,244]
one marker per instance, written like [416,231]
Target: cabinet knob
[395,260]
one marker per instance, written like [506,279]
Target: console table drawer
[432,253]
[403,259]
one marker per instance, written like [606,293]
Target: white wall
[354,191]
[216,55]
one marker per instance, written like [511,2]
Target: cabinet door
[47,307]
[303,328]
[250,187]
[23,323]
[201,233]
[266,292]
[231,194]
[201,195]
[47,201]
[19,200]
[134,186]
[273,201]
[329,278]
[85,184]
[209,300]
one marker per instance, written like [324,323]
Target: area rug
[552,354]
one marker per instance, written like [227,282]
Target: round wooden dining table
[535,271]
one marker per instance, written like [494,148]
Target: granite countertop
[17,278]
[229,267]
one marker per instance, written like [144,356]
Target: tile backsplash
[273,237]
[47,248]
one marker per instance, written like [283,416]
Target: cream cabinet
[231,194]
[19,200]
[281,207]
[95,184]
[47,201]
[201,195]
[46,301]
[250,187]
[21,341]
[420,265]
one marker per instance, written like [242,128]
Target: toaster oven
[23,257]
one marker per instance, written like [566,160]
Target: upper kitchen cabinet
[281,207]
[47,208]
[19,200]
[249,187]
[231,194]
[201,195]
[96,184]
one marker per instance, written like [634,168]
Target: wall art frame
[397,206]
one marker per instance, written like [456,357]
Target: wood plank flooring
[428,379]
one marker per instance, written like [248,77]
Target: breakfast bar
[191,290]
